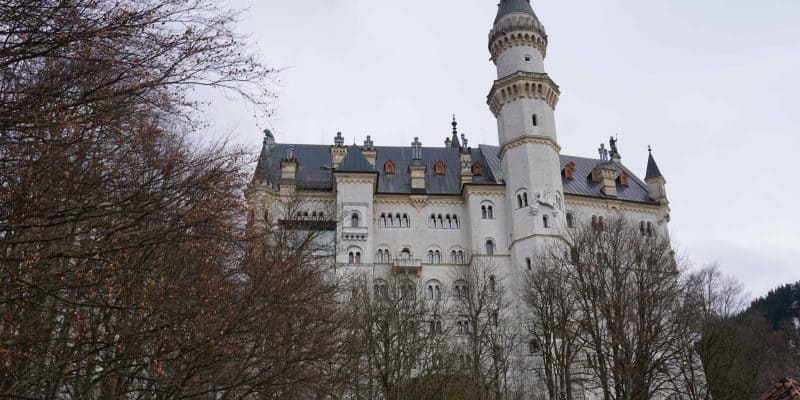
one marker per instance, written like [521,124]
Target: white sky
[712,85]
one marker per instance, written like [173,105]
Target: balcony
[407,266]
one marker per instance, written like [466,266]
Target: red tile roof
[787,389]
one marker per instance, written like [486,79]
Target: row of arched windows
[435,256]
[306,215]
[446,221]
[394,220]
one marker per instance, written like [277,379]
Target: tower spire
[454,143]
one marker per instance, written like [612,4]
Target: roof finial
[649,149]
[454,141]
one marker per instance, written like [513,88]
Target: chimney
[369,152]
[338,150]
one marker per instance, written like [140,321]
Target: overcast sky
[712,85]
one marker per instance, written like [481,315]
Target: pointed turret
[656,184]
[652,167]
[264,162]
[454,143]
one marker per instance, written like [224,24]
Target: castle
[422,213]
[428,210]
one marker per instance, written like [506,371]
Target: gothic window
[490,247]
[545,221]
[570,220]
[439,168]
[354,220]
[535,120]
[477,169]
[388,168]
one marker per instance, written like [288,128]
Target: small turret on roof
[652,167]
[454,143]
[264,160]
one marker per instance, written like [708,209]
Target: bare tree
[399,341]
[126,269]
[487,329]
[554,325]
[617,297]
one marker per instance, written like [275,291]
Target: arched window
[380,256]
[407,220]
[461,259]
[354,220]
[432,221]
[525,199]
[434,290]
[354,255]
[491,212]
[545,221]
[441,221]
[495,318]
[405,254]
[351,257]
[399,221]
[477,169]
[492,284]
[535,120]
[484,214]
[643,228]
[438,168]
[528,264]
[430,256]
[489,247]
[519,201]
[437,257]
[388,168]
[533,346]
[570,220]
[601,224]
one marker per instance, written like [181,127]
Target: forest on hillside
[746,353]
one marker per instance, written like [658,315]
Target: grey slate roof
[311,177]
[354,161]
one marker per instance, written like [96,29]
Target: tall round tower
[523,99]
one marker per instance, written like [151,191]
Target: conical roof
[355,161]
[652,168]
[509,6]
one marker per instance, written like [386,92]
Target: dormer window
[388,168]
[477,169]
[569,170]
[439,168]
[623,179]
